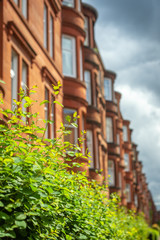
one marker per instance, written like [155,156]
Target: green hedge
[40,199]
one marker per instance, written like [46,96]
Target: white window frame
[89,137]
[111,173]
[68,3]
[108,89]
[125,133]
[126,161]
[73,54]
[86,29]
[87,78]
[109,129]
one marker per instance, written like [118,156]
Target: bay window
[125,133]
[86,29]
[87,77]
[72,137]
[108,89]
[109,129]
[69,56]
[126,161]
[89,137]
[68,3]
[111,172]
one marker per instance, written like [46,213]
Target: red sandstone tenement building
[43,42]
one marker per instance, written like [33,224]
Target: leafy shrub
[40,199]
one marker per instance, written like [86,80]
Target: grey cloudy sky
[128,37]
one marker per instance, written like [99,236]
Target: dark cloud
[128,36]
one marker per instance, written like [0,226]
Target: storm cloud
[128,37]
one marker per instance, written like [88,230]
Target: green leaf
[1,81]
[4,216]
[58,103]
[21,224]
[74,125]
[1,204]
[43,102]
[20,216]
[68,118]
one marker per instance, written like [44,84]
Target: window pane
[109,129]
[46,108]
[120,179]
[81,64]
[97,154]
[24,8]
[86,42]
[52,116]
[51,36]
[83,128]
[14,77]
[126,162]
[16,2]
[24,85]
[69,56]
[69,3]
[125,133]
[128,192]
[79,5]
[89,136]
[87,77]
[108,89]
[111,172]
[72,138]
[45,26]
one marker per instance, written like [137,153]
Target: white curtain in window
[126,161]
[125,133]
[128,192]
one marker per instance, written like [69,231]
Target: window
[87,77]
[83,128]
[136,200]
[45,25]
[108,89]
[125,133]
[126,162]
[81,63]
[69,56]
[46,108]
[51,36]
[111,172]
[49,114]
[128,192]
[72,138]
[109,129]
[118,139]
[79,5]
[14,77]
[97,153]
[86,26]
[23,5]
[120,179]
[48,27]
[69,3]
[24,85]
[89,136]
